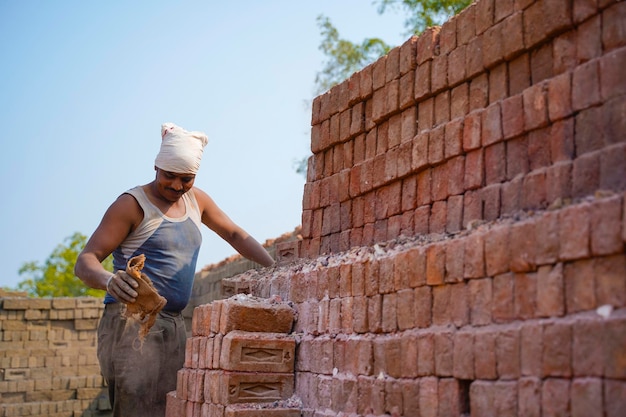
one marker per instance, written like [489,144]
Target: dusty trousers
[139,377]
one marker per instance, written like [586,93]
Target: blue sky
[85,86]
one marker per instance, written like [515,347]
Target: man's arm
[118,221]
[215,219]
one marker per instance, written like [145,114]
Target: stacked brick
[48,363]
[510,105]
[239,361]
[464,221]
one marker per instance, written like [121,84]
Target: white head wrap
[181,151]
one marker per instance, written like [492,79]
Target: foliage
[422,14]
[55,277]
[345,57]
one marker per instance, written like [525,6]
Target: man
[162,220]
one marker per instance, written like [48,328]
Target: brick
[439,73]
[610,285]
[614,355]
[588,131]
[482,398]
[587,359]
[525,295]
[614,397]
[444,351]
[516,157]
[530,349]
[423,306]
[555,397]
[421,87]
[480,301]
[463,355]
[579,286]
[507,354]
[459,98]
[586,86]
[497,258]
[255,316]
[503,298]
[478,92]
[605,226]
[419,158]
[557,342]
[474,170]
[512,117]
[238,387]
[425,354]
[613,167]
[541,64]
[442,305]
[435,263]
[495,164]
[257,352]
[474,57]
[513,42]
[408,55]
[387,356]
[529,397]
[535,106]
[474,257]
[456,65]
[519,74]
[550,291]
[493,46]
[612,82]
[472,131]
[574,232]
[587,397]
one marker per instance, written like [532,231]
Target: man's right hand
[121,286]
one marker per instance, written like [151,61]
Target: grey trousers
[139,378]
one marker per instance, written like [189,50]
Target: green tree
[55,277]
[345,57]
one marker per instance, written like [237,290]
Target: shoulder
[126,207]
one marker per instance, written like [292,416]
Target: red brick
[519,74]
[557,342]
[495,163]
[555,397]
[579,286]
[530,349]
[463,355]
[454,214]
[535,106]
[426,115]
[513,42]
[497,258]
[613,167]
[586,174]
[541,64]
[459,310]
[459,98]
[408,55]
[539,148]
[587,397]
[442,108]
[490,196]
[427,44]
[392,67]
[482,398]
[436,145]
[428,397]
[480,301]
[419,158]
[410,268]
[392,91]
[422,220]
[503,298]
[493,46]
[474,256]
[456,65]
[614,397]
[516,157]
[614,355]
[562,140]
[507,354]
[435,263]
[612,81]
[472,131]
[589,44]
[374,313]
[511,197]
[558,182]
[586,86]
[422,81]
[574,232]
[525,295]
[512,117]
[550,291]
[443,350]
[450,397]
[472,208]
[439,73]
[474,57]
[423,304]
[483,15]
[534,21]
[250,315]
[478,92]
[534,190]
[485,355]
[606,226]
[491,125]
[438,217]
[474,170]
[439,182]
[587,359]
[610,285]
[529,397]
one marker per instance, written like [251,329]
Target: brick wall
[48,363]
[464,222]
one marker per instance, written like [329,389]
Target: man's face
[171,185]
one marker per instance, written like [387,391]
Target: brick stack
[48,363]
[239,361]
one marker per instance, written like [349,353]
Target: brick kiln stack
[239,361]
